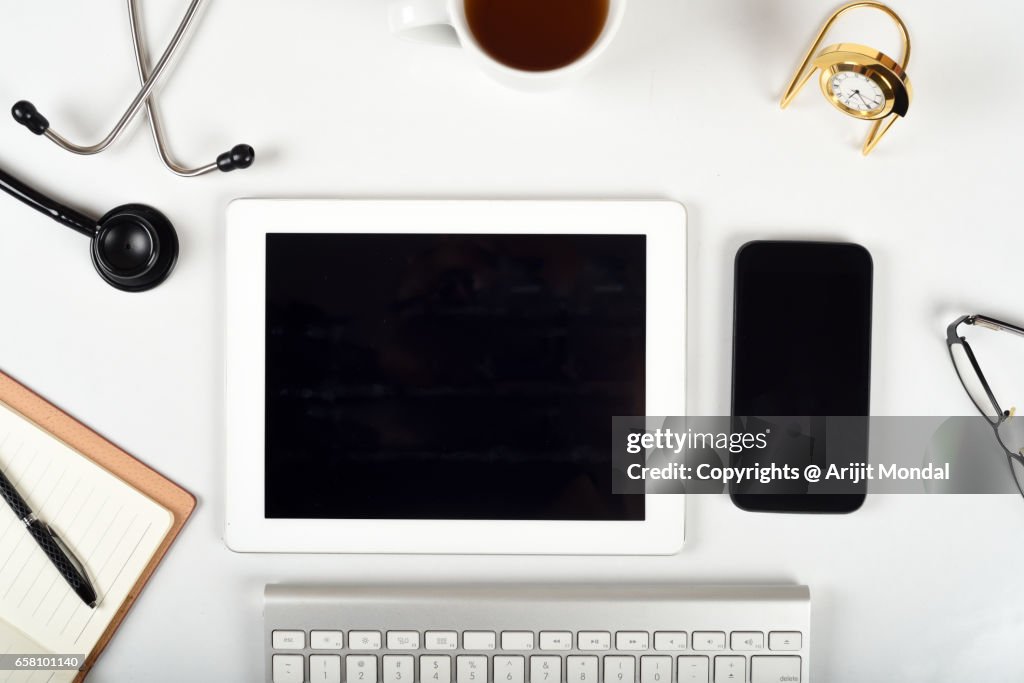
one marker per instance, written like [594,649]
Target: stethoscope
[134,246]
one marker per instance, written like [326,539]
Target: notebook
[117,530]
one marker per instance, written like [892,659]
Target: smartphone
[802,348]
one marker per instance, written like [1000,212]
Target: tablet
[441,376]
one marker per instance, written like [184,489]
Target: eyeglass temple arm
[993,324]
[25,113]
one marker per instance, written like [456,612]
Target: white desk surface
[682,107]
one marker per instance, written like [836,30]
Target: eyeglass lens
[1011,434]
[972,382]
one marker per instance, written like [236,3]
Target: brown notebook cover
[177,500]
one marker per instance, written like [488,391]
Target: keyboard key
[655,669]
[509,669]
[325,668]
[708,640]
[581,669]
[361,668]
[435,669]
[772,669]
[479,640]
[516,640]
[441,640]
[289,640]
[471,669]
[693,669]
[403,640]
[620,670]
[670,640]
[730,669]
[631,640]
[546,669]
[326,640]
[746,640]
[288,669]
[363,640]
[556,640]
[785,640]
[594,640]
[399,668]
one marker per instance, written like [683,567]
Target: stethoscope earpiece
[25,113]
[134,248]
[239,156]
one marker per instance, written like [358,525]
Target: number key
[361,669]
[509,669]
[471,669]
[325,668]
[545,670]
[436,669]
[619,670]
[581,669]
[655,669]
[399,669]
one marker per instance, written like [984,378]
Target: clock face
[857,92]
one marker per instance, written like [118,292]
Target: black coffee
[536,35]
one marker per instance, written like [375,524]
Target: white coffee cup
[444,22]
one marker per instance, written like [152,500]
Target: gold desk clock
[859,80]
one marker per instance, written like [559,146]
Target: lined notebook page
[112,528]
[12,641]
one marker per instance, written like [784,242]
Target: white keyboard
[537,634]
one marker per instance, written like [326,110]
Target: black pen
[60,555]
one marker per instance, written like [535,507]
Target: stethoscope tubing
[147,85]
[155,124]
[47,206]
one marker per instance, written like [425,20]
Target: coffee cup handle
[424,20]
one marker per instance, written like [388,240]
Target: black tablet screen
[451,376]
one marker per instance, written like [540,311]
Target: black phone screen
[802,346]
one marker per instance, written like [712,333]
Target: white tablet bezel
[248,223]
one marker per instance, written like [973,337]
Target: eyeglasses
[1008,429]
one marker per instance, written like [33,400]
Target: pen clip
[72,558]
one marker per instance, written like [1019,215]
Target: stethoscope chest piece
[135,247]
